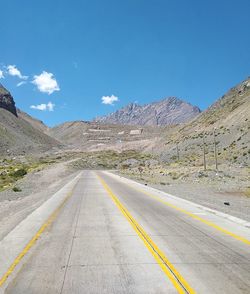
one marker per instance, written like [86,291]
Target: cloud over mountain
[44,107]
[46,83]
[168,111]
[109,100]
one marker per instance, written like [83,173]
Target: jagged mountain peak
[6,100]
[168,111]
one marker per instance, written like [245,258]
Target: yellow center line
[194,216]
[31,243]
[175,277]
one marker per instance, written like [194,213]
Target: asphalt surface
[111,237]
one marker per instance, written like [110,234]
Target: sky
[75,60]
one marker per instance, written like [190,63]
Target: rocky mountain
[227,122]
[230,110]
[133,127]
[168,111]
[36,123]
[19,132]
[7,101]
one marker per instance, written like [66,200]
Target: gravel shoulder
[223,195]
[211,197]
[36,188]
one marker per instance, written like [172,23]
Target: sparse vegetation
[16,189]
[19,173]
[13,170]
[111,160]
[247,192]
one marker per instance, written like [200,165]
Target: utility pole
[177,151]
[215,152]
[204,154]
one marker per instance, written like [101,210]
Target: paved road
[111,237]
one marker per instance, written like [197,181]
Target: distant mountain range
[169,111]
[134,127]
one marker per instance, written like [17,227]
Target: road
[113,236]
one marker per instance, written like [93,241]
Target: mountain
[70,133]
[230,110]
[92,135]
[229,116]
[17,134]
[228,119]
[168,111]
[7,101]
[36,123]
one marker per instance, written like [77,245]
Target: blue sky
[70,54]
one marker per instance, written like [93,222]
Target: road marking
[31,243]
[175,277]
[195,216]
[199,213]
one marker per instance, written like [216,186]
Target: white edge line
[40,220]
[232,218]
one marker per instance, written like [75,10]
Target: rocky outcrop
[6,100]
[168,111]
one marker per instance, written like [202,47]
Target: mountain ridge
[226,122]
[229,115]
[167,111]
[6,100]
[19,132]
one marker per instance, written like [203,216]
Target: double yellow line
[175,277]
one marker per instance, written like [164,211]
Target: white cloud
[15,72]
[46,82]
[44,107]
[50,106]
[109,99]
[1,74]
[39,107]
[21,83]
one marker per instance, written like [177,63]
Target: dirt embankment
[35,188]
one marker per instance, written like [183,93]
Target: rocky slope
[227,122]
[168,111]
[36,123]
[17,133]
[84,135]
[229,116]
[7,101]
